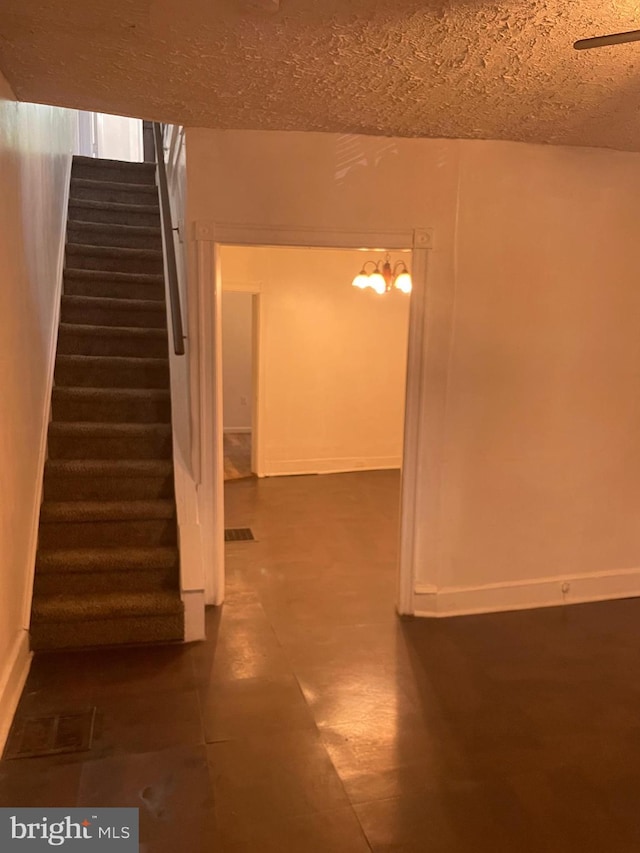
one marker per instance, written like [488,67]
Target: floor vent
[31,737]
[239,534]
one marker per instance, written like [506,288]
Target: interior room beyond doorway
[314,368]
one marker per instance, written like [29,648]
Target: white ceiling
[464,68]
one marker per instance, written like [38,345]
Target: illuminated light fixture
[385,278]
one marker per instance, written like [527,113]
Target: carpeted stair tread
[78,476]
[79,339]
[88,511]
[115,405]
[117,186]
[116,359]
[105,430]
[110,467]
[110,605]
[147,169]
[108,275]
[139,332]
[79,560]
[100,440]
[113,311]
[113,228]
[114,234]
[139,630]
[117,252]
[112,287]
[100,371]
[117,206]
[113,258]
[99,340]
[98,310]
[115,212]
[108,302]
[114,284]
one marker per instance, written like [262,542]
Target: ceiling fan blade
[603,41]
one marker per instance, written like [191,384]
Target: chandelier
[383,277]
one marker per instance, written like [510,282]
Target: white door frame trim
[210,236]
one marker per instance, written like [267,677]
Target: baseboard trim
[329,466]
[243,430]
[13,676]
[525,595]
[46,412]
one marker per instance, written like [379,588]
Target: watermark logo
[73,830]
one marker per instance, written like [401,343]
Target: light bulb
[377,282]
[361,280]
[403,282]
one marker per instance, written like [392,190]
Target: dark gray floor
[314,721]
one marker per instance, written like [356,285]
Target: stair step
[100,169]
[101,371]
[89,511]
[114,285]
[116,618]
[109,441]
[112,191]
[105,524]
[113,212]
[76,339]
[108,559]
[105,534]
[94,570]
[76,608]
[95,583]
[114,235]
[113,259]
[114,405]
[106,311]
[108,479]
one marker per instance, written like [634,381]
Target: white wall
[119,138]
[35,159]
[542,444]
[529,470]
[109,137]
[332,361]
[237,351]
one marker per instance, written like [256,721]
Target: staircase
[107,568]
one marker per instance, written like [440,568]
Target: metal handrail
[170,249]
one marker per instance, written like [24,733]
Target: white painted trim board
[284,467]
[527,594]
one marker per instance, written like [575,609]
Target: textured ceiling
[464,68]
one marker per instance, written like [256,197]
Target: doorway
[416,499]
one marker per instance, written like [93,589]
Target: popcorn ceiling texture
[464,68]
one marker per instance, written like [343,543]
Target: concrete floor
[313,720]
